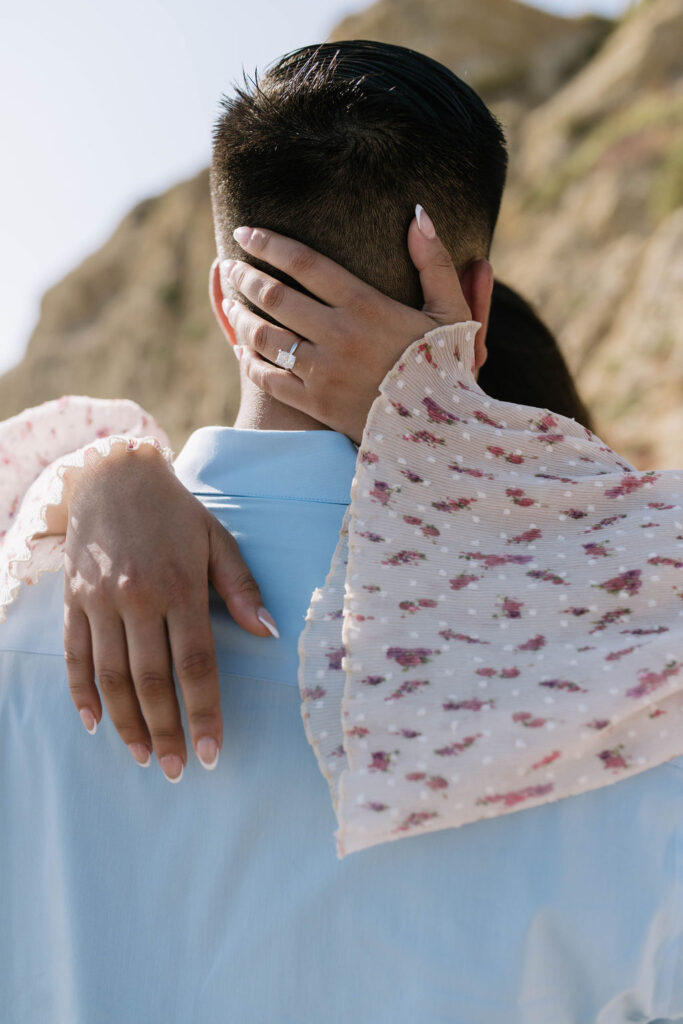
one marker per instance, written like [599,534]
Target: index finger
[320,275]
[194,658]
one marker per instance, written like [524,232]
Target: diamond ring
[286,359]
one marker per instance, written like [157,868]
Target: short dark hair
[336,143]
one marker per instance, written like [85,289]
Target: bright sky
[106,103]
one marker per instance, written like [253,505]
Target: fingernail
[267,619]
[243,236]
[228,266]
[207,752]
[226,306]
[237,349]
[141,754]
[424,222]
[172,767]
[89,720]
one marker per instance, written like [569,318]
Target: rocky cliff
[590,230]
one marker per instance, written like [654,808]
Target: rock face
[591,230]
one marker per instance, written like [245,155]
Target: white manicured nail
[207,752]
[267,619]
[89,720]
[424,222]
[172,767]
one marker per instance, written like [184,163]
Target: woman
[541,958]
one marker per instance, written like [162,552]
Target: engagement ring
[287,359]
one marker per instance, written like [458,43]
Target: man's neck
[259,411]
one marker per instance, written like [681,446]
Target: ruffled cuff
[37,448]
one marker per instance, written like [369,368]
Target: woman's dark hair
[525,364]
[335,144]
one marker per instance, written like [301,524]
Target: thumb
[443,297]
[232,578]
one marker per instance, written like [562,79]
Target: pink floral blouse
[502,623]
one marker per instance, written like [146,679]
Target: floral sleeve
[502,623]
[36,447]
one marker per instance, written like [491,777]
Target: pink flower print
[492,561]
[551,476]
[509,608]
[381,760]
[613,758]
[404,558]
[519,497]
[573,513]
[372,588]
[410,686]
[374,805]
[630,582]
[410,734]
[631,482]
[550,438]
[359,731]
[338,751]
[416,818]
[526,718]
[427,602]
[457,748]
[511,457]
[424,437]
[449,634]
[656,713]
[615,655]
[453,504]
[598,723]
[428,530]
[374,538]
[650,681]
[659,505]
[436,782]
[563,684]
[483,418]
[596,549]
[474,704]
[413,477]
[576,611]
[334,658]
[478,473]
[509,673]
[408,606]
[534,644]
[437,414]
[373,680]
[517,796]
[547,760]
[545,423]
[527,537]
[607,521]
[425,349]
[546,576]
[661,560]
[400,409]
[416,776]
[316,693]
[412,520]
[645,632]
[463,580]
[408,657]
[486,672]
[381,492]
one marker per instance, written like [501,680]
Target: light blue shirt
[221,900]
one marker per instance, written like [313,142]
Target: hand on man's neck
[259,411]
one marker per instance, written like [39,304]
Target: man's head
[335,145]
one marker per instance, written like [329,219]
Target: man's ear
[477,287]
[216,299]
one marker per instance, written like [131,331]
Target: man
[220,898]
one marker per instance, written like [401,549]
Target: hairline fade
[336,143]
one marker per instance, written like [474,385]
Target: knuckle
[262,378]
[244,582]
[131,587]
[153,686]
[366,309]
[301,262]
[272,295]
[167,736]
[196,665]
[112,682]
[259,336]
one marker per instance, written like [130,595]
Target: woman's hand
[140,550]
[351,338]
